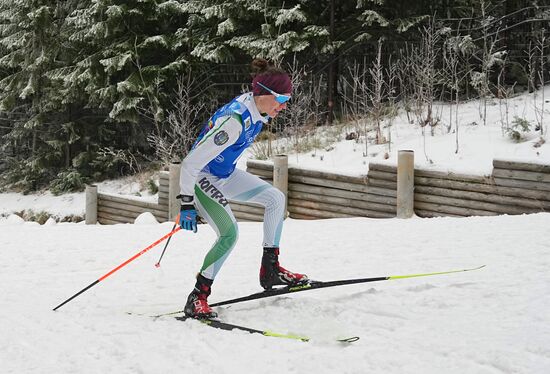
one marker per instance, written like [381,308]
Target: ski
[230,326]
[314,285]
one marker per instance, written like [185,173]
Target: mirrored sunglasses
[281,99]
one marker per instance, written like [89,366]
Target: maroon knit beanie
[278,82]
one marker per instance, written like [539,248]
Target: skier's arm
[224,133]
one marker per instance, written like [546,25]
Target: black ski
[229,327]
[313,285]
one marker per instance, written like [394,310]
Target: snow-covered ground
[493,320]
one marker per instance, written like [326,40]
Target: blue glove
[188,217]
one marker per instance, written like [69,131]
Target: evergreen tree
[75,76]
[231,31]
[130,52]
[29,32]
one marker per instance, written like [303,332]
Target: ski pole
[119,267]
[167,242]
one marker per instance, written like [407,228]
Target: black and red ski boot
[197,303]
[273,274]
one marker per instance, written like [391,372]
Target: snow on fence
[512,188]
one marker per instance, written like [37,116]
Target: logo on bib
[221,138]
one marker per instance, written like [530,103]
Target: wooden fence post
[91,204]
[280,175]
[405,184]
[173,191]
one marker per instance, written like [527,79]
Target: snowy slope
[493,320]
[478,144]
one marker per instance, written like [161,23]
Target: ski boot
[273,274]
[197,303]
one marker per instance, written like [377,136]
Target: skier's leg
[242,186]
[214,208]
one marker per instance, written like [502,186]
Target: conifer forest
[94,89]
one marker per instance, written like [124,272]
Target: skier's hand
[188,217]
[188,213]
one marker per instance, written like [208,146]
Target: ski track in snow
[493,320]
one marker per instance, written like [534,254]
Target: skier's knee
[276,199]
[279,196]
[229,236]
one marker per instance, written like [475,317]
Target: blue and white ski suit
[208,173]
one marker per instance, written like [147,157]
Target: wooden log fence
[316,194]
[116,209]
[405,184]
[512,188]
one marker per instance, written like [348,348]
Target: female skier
[209,179]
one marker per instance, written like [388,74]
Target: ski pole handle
[119,267]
